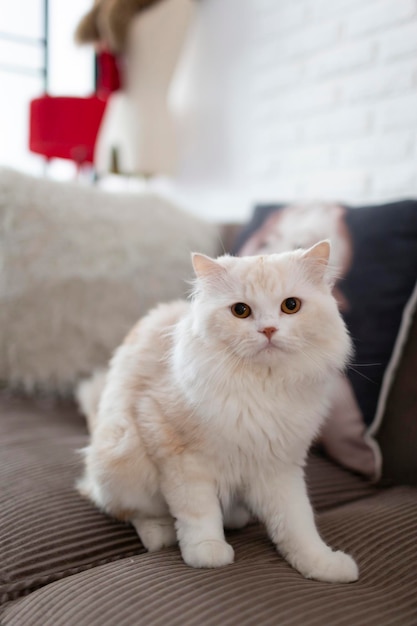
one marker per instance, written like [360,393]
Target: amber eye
[240,309]
[291,305]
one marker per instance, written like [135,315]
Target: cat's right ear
[318,257]
[319,253]
[206,267]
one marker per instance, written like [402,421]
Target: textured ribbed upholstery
[47,530]
[259,588]
[81,567]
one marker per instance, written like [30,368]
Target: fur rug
[78,267]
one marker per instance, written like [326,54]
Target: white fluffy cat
[210,406]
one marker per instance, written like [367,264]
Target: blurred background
[219,104]
[38,55]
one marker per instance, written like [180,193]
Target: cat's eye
[291,305]
[240,309]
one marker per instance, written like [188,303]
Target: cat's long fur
[206,418]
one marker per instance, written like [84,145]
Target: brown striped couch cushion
[259,588]
[47,530]
[49,533]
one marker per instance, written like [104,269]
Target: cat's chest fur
[255,417]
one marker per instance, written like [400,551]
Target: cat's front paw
[210,553]
[329,566]
[156,533]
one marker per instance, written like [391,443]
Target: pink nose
[269,331]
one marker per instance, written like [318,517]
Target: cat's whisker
[220,240]
[365,364]
[374,382]
[353,367]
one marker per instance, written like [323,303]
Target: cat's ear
[320,252]
[318,258]
[206,267]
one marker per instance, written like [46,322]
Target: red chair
[66,127]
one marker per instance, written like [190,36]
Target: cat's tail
[88,394]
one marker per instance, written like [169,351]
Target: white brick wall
[324,99]
[352,100]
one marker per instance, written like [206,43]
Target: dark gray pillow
[377,288]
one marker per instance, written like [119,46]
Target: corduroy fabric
[330,485]
[259,588]
[47,531]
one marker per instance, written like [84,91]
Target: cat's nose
[269,331]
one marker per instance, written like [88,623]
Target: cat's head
[273,309]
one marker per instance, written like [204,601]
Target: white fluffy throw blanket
[78,266]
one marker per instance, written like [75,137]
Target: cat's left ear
[206,267]
[320,252]
[318,257]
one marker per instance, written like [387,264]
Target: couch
[64,563]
